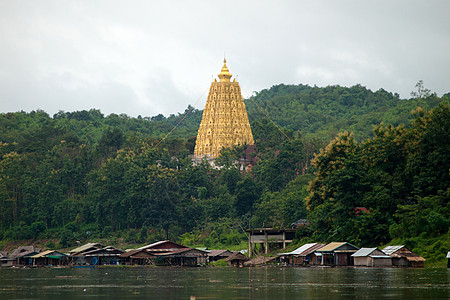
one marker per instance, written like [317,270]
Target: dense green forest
[82,175]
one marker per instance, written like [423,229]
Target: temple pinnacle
[225,121]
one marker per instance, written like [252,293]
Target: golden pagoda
[225,121]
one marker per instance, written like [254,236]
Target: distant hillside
[313,111]
[324,112]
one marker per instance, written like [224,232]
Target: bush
[66,238]
[131,236]
[219,263]
[50,244]
[37,228]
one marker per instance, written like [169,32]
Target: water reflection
[225,283]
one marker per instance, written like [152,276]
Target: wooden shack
[215,255]
[237,259]
[5,260]
[85,248]
[162,247]
[261,260]
[22,255]
[137,257]
[371,257]
[303,255]
[337,254]
[50,258]
[108,255]
[187,257]
[403,257]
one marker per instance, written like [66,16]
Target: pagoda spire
[224,121]
[225,74]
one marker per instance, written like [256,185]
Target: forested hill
[81,176]
[313,111]
[323,112]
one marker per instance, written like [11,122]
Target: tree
[421,92]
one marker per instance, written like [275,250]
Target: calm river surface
[225,283]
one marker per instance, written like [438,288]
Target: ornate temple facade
[225,121]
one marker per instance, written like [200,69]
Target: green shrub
[219,263]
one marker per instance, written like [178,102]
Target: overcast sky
[150,57]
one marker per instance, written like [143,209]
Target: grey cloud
[150,57]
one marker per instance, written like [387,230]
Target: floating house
[237,259]
[403,257]
[336,254]
[85,248]
[22,255]
[168,253]
[137,257]
[371,257]
[182,257]
[215,255]
[95,254]
[5,260]
[50,258]
[162,246]
[261,260]
[106,256]
[303,255]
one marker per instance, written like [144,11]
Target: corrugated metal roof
[183,252]
[24,254]
[106,251]
[219,253]
[170,248]
[364,252]
[311,249]
[86,246]
[23,251]
[136,253]
[299,249]
[392,249]
[42,254]
[380,256]
[152,245]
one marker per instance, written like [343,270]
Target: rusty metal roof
[183,252]
[171,246]
[49,253]
[213,253]
[260,260]
[334,246]
[137,254]
[106,251]
[238,256]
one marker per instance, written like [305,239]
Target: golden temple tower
[225,121]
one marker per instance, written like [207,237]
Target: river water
[225,283]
